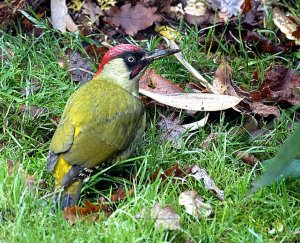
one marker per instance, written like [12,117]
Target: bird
[102,121]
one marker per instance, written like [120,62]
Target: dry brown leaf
[121,194]
[290,28]
[194,204]
[173,171]
[247,158]
[196,172]
[92,10]
[280,84]
[201,174]
[96,52]
[89,213]
[258,108]
[262,43]
[132,18]
[79,68]
[154,82]
[173,132]
[165,217]
[222,78]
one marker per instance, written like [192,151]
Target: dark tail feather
[69,196]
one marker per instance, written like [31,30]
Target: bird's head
[124,65]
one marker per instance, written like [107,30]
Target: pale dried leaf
[194,204]
[164,217]
[227,8]
[59,14]
[201,174]
[222,78]
[285,24]
[194,101]
[70,25]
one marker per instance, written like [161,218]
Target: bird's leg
[69,196]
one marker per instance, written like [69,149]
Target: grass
[25,211]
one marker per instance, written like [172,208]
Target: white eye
[131,59]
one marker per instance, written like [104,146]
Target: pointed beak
[151,56]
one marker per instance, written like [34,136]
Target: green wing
[97,125]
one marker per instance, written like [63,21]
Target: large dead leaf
[132,18]
[289,26]
[165,217]
[280,84]
[194,101]
[194,204]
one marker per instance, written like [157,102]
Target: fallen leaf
[194,171]
[173,171]
[121,194]
[96,52]
[258,108]
[155,83]
[87,213]
[9,10]
[59,12]
[247,158]
[207,19]
[194,204]
[227,8]
[29,180]
[173,132]
[262,43]
[165,217]
[194,101]
[222,78]
[92,10]
[132,19]
[201,174]
[78,67]
[290,28]
[280,84]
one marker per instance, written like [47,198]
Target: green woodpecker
[102,121]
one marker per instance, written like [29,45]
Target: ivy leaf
[283,165]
